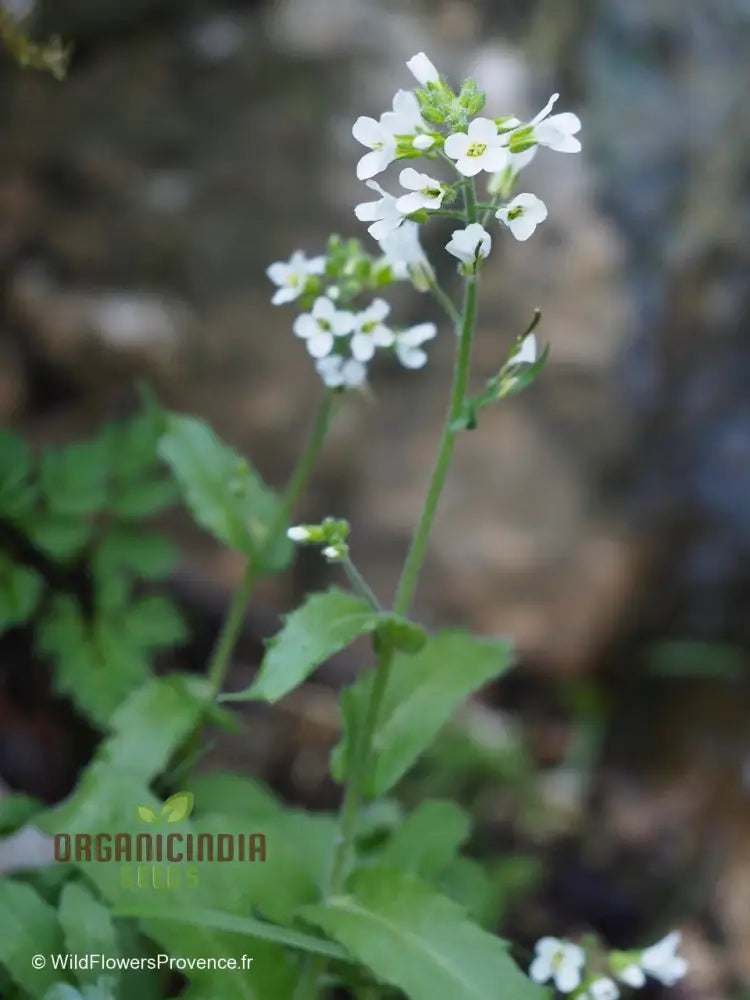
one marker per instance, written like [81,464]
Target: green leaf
[427,840]
[402,635]
[28,926]
[131,550]
[225,495]
[154,623]
[178,807]
[95,665]
[418,941]
[60,536]
[247,926]
[21,589]
[17,494]
[233,795]
[423,692]
[74,479]
[146,814]
[16,811]
[87,927]
[320,627]
[144,499]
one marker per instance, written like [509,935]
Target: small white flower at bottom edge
[341,373]
[470,244]
[632,975]
[522,215]
[603,988]
[662,961]
[558,960]
[408,349]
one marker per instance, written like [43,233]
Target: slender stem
[415,558]
[232,625]
[359,583]
[445,301]
[361,754]
[447,213]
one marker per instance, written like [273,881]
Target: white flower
[291,276]
[525,353]
[603,988]
[405,256]
[556,131]
[321,325]
[408,349]
[383,213]
[483,148]
[405,117]
[423,69]
[381,142]
[370,331]
[423,141]
[632,975]
[341,373]
[426,192]
[558,960]
[470,244]
[662,961]
[299,533]
[336,553]
[523,215]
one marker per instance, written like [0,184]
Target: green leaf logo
[146,814]
[178,807]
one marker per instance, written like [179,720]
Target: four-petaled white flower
[603,988]
[662,961]
[558,960]
[526,352]
[291,276]
[406,117]
[321,325]
[481,148]
[523,215]
[370,331]
[556,131]
[404,255]
[338,372]
[470,244]
[426,192]
[383,213]
[381,143]
[408,349]
[423,69]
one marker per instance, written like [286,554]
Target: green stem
[410,574]
[360,585]
[232,625]
[445,301]
[361,754]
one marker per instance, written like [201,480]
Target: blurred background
[601,518]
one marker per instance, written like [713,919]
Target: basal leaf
[28,926]
[59,536]
[74,479]
[423,692]
[21,589]
[232,795]
[320,627]
[15,811]
[418,941]
[225,495]
[154,623]
[87,927]
[17,493]
[131,550]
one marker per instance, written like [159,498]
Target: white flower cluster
[342,341]
[332,534]
[565,964]
[436,124]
